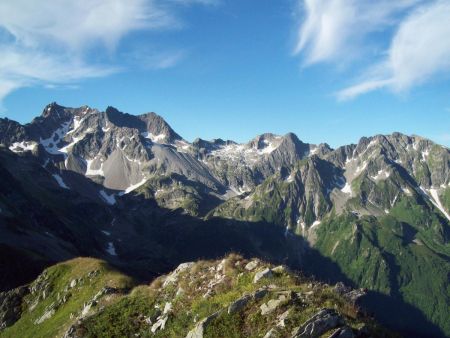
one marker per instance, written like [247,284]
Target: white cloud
[332,30]
[146,57]
[51,42]
[419,50]
[76,24]
[414,33]
[361,88]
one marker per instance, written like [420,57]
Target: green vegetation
[53,286]
[392,257]
[182,300]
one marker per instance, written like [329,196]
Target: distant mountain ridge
[129,189]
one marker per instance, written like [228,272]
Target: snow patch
[245,154]
[425,155]
[19,147]
[74,141]
[406,191]
[347,189]
[313,151]
[437,202]
[60,181]
[434,199]
[382,174]
[315,224]
[133,187]
[158,191]
[50,144]
[359,169]
[267,150]
[290,178]
[154,138]
[111,249]
[76,124]
[93,172]
[110,199]
[372,143]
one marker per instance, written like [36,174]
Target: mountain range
[131,191]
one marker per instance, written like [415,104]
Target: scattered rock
[221,266]
[266,273]
[343,332]
[11,306]
[173,277]
[47,315]
[180,292]
[93,274]
[72,331]
[321,322]
[272,333]
[87,307]
[198,330]
[160,324]
[208,294]
[348,293]
[260,294]
[167,308]
[280,269]
[161,321]
[105,291]
[251,265]
[354,295]
[341,289]
[282,318]
[271,305]
[239,304]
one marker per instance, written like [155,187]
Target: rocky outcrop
[11,306]
[351,295]
[266,273]
[199,329]
[239,304]
[344,332]
[320,323]
[173,277]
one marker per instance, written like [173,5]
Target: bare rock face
[318,324]
[239,304]
[198,330]
[352,295]
[11,306]
[344,332]
[266,273]
[250,266]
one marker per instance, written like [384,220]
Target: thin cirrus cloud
[50,42]
[335,30]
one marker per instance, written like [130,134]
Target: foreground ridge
[232,297]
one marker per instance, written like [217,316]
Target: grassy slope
[392,256]
[126,317]
[58,278]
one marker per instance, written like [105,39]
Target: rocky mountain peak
[159,128]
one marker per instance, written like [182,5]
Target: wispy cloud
[51,42]
[335,30]
[146,58]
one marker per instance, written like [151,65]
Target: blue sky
[328,70]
